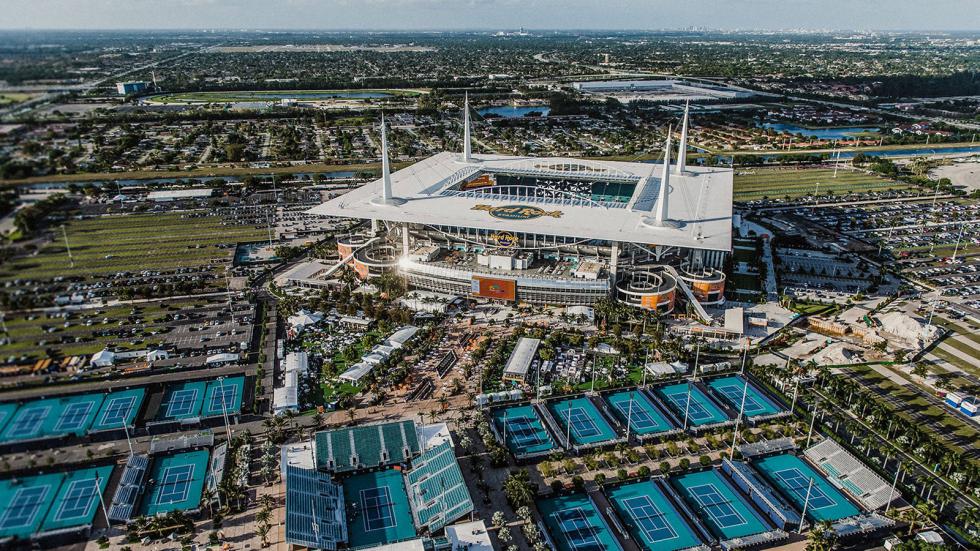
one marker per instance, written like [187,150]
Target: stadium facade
[559,231]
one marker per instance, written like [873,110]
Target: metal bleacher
[851,475]
[438,491]
[129,489]
[355,448]
[315,516]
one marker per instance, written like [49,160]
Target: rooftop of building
[699,200]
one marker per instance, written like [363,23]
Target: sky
[491,14]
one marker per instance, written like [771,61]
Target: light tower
[387,197]
[682,151]
[660,218]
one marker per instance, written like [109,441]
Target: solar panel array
[438,493]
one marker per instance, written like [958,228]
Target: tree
[518,489]
[821,538]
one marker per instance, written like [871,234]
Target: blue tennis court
[74,415]
[522,429]
[7,410]
[731,390]
[634,407]
[77,501]
[791,475]
[651,518]
[176,482]
[576,525]
[378,510]
[182,400]
[719,505]
[28,421]
[223,396]
[117,409]
[582,420]
[25,502]
[702,411]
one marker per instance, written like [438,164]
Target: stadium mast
[682,151]
[467,148]
[387,197]
[661,220]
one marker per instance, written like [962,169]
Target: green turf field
[276,95]
[779,183]
[138,242]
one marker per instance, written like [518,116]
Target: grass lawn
[807,308]
[26,334]
[774,183]
[953,359]
[273,95]
[971,334]
[917,403]
[110,244]
[746,282]
[9,98]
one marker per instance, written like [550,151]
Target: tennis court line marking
[388,508]
[578,515]
[80,497]
[816,493]
[28,423]
[713,490]
[640,418]
[74,416]
[174,476]
[115,409]
[696,411]
[657,514]
[18,510]
[583,425]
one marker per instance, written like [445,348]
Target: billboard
[495,288]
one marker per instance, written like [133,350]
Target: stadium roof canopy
[699,200]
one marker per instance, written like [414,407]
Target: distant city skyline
[408,15]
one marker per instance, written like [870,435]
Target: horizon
[804,16]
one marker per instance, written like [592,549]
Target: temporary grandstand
[779,511]
[851,475]
[357,448]
[314,509]
[437,490]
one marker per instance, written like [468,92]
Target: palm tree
[944,497]
[913,517]
[821,538]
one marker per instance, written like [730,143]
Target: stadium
[557,231]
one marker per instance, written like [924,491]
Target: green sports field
[276,95]
[779,183]
[110,244]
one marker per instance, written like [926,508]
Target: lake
[511,112]
[821,133]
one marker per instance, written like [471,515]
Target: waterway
[821,133]
[511,112]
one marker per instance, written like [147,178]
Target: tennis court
[522,429]
[651,518]
[182,400]
[118,408]
[576,525]
[175,483]
[77,501]
[223,396]
[7,410]
[25,502]
[719,505]
[634,407]
[791,475]
[581,419]
[377,508]
[731,390]
[52,417]
[702,411]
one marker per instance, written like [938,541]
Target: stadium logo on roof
[517,212]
